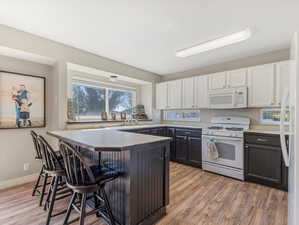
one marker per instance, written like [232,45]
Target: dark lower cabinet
[181,148]
[195,150]
[185,146]
[263,160]
[170,132]
[188,147]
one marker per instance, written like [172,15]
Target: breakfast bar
[141,193]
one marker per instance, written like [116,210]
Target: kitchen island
[140,195]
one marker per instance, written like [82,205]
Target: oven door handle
[215,138]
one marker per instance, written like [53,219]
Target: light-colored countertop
[106,139]
[254,129]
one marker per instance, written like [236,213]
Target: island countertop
[106,140]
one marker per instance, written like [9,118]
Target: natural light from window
[90,101]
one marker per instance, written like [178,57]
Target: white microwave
[231,98]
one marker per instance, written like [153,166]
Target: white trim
[93,71]
[270,122]
[17,181]
[97,83]
[28,56]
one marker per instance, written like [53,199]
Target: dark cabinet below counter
[263,160]
[185,146]
[188,146]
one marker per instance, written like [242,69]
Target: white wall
[63,54]
[16,144]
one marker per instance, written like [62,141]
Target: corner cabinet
[261,86]
[161,95]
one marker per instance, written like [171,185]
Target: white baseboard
[17,181]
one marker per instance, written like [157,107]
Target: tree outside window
[89,101]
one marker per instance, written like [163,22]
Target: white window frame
[181,119]
[270,122]
[99,85]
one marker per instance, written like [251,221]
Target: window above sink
[182,115]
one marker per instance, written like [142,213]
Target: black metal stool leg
[69,209]
[83,208]
[43,190]
[37,182]
[53,196]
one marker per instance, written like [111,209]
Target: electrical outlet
[26,166]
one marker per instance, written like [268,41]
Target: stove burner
[234,128]
[215,128]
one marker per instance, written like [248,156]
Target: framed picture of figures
[22,101]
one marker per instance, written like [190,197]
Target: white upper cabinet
[261,86]
[282,80]
[236,78]
[161,95]
[188,93]
[174,94]
[201,92]
[217,80]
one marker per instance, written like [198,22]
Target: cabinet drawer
[188,132]
[262,139]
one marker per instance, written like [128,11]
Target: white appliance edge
[293,194]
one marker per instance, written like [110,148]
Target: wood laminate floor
[196,198]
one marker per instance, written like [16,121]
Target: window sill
[99,121]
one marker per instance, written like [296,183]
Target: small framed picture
[22,100]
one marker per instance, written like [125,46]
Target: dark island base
[140,195]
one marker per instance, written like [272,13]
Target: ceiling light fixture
[217,43]
[113,78]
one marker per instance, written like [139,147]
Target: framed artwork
[22,101]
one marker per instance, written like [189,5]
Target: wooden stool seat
[86,181]
[53,166]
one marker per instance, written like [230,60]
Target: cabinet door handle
[261,139]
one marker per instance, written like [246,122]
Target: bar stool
[54,167]
[87,181]
[42,174]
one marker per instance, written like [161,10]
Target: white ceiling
[146,33]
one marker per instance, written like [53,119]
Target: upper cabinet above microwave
[236,78]
[217,81]
[229,79]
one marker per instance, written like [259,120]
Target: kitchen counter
[106,139]
[140,194]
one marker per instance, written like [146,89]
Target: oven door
[230,151]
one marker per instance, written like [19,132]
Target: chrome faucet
[130,121]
